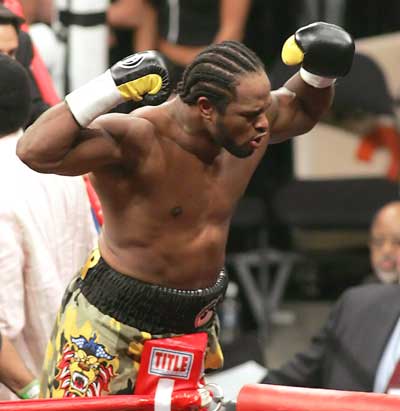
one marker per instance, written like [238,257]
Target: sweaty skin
[167,183]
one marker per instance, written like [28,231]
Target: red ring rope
[253,397]
[257,397]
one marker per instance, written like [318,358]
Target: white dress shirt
[46,233]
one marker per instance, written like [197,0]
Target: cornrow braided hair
[215,73]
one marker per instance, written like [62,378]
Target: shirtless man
[169,178]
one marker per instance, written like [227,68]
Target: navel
[176,211]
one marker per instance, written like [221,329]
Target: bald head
[385,242]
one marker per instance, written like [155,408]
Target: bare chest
[191,195]
[178,189]
[193,191]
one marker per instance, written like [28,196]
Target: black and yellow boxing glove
[324,50]
[139,77]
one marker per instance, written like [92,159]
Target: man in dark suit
[358,347]
[349,350]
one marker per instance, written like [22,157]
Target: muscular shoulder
[124,138]
[125,128]
[135,134]
[142,126]
[156,117]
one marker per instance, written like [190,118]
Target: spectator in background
[123,17]
[183,29]
[384,244]
[180,30]
[40,16]
[14,374]
[17,44]
[38,11]
[125,13]
[358,347]
[46,230]
[269,24]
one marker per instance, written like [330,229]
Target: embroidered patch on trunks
[85,368]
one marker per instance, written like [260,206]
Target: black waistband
[150,307]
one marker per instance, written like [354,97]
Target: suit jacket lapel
[381,319]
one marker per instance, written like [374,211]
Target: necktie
[393,386]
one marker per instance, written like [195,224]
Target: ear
[205,107]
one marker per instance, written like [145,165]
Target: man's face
[244,125]
[385,246]
[8,40]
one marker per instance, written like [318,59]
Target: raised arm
[326,52]
[66,140]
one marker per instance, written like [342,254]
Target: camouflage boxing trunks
[104,319]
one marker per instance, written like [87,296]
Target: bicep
[288,117]
[300,114]
[112,139]
[94,148]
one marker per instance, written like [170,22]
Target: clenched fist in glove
[324,50]
[139,77]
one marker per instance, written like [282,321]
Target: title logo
[170,363]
